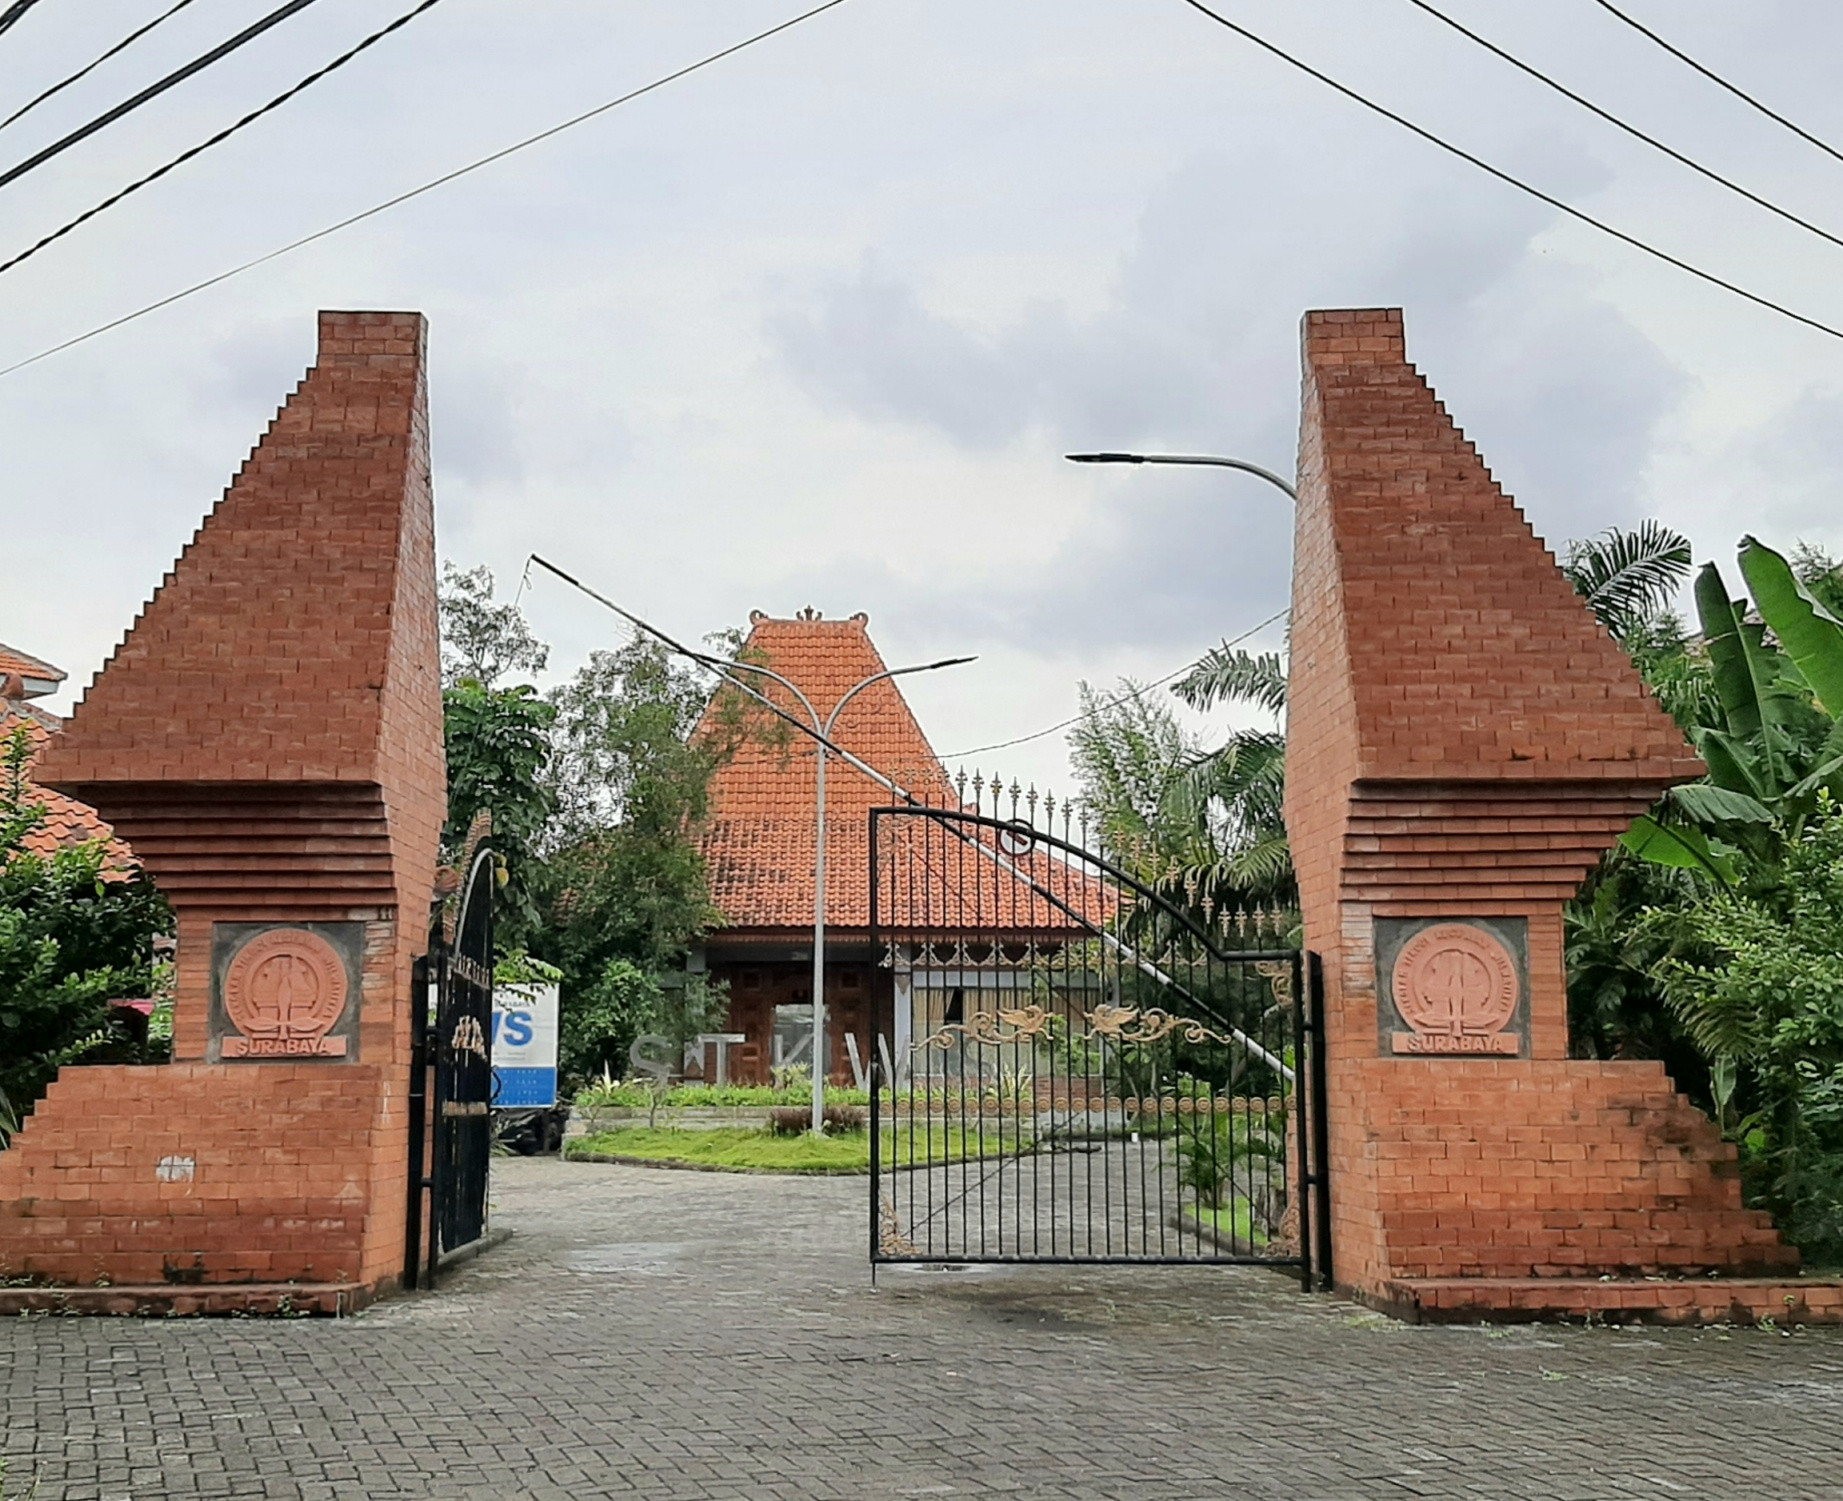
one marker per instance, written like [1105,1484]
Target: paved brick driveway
[700,1335]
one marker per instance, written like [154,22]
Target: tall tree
[481,638]
[497,738]
[628,891]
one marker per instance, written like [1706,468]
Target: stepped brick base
[1529,1168]
[1614,1300]
[227,1300]
[193,1174]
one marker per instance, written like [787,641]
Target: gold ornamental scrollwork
[890,1239]
[1279,974]
[1129,1024]
[1025,1022]
[1119,1024]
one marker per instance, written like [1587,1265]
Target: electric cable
[431,185]
[223,135]
[1114,703]
[1516,182]
[154,90]
[9,17]
[94,64]
[1713,77]
[1632,130]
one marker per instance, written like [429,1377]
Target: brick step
[1613,1300]
[155,1300]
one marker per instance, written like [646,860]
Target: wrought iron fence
[1069,1067]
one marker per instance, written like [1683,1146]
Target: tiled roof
[67,821]
[760,840]
[14,662]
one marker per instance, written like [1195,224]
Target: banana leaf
[1685,849]
[1733,763]
[1810,634]
[1708,804]
[1721,629]
[1828,771]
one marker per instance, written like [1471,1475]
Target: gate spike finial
[1030,801]
[959,782]
[1016,793]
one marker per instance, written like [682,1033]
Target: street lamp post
[1209,460]
[822,730]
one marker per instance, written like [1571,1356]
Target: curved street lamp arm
[1210,460]
[892,672]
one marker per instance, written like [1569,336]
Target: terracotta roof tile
[67,821]
[760,841]
[12,660]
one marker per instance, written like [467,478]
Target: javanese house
[761,844]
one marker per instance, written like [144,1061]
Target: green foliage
[482,640]
[602,1019]
[627,889]
[73,937]
[1197,825]
[517,967]
[498,748]
[1756,974]
[1628,577]
[1810,634]
[633,1094]
[1226,674]
[745,1151]
[1616,1007]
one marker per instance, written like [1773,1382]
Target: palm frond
[1626,576]
[1228,674]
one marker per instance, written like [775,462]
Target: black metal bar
[1297,1128]
[876,1053]
[419,1110]
[975,1210]
[438,1124]
[1321,1118]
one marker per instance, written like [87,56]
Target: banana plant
[1782,741]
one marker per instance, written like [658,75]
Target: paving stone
[703,1337]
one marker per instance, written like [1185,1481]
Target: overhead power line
[1112,703]
[154,90]
[9,17]
[223,135]
[93,65]
[1632,130]
[430,186]
[1713,77]
[1516,182]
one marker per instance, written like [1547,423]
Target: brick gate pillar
[268,738]
[1463,742]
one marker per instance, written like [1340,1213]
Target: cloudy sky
[815,325]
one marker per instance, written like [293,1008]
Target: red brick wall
[1464,740]
[268,737]
[278,1188]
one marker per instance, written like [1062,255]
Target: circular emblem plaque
[283,990]
[1455,980]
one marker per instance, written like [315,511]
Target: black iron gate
[1068,1068]
[451,1123]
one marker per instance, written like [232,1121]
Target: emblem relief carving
[1453,988]
[282,993]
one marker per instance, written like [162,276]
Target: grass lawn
[762,1151]
[1231,1220]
